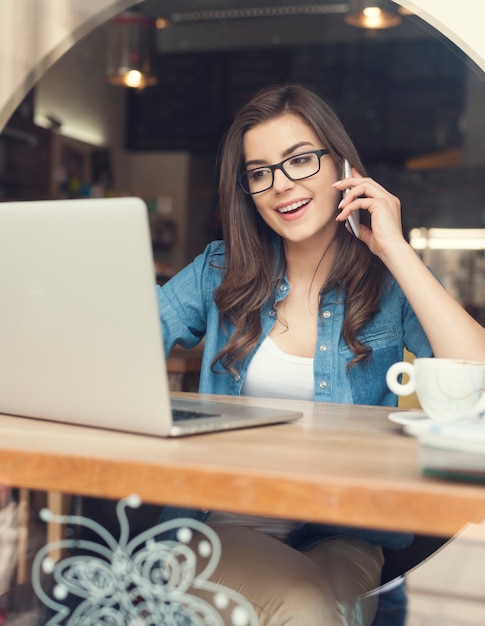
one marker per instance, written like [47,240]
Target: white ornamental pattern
[143,581]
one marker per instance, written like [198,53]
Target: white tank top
[274,374]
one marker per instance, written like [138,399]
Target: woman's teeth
[293,207]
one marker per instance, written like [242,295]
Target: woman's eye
[257,174]
[301,159]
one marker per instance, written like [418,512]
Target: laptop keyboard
[182,414]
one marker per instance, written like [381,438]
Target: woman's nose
[281,182]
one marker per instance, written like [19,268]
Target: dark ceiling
[396,89]
[305,23]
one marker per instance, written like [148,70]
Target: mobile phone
[353,219]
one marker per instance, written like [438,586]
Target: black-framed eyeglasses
[296,167]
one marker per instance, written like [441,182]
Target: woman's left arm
[451,331]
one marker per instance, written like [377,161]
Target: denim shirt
[188,314]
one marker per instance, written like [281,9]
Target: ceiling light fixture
[130,51]
[369,14]
[256,12]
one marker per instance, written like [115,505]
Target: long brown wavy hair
[254,254]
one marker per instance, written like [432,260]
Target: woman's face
[299,211]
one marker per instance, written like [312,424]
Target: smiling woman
[292,292]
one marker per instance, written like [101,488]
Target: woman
[292,304]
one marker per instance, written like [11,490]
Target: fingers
[356,187]
[364,193]
[385,230]
[351,203]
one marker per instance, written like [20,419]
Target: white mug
[447,389]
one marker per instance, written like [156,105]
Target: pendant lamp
[130,50]
[371,14]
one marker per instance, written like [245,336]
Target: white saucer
[414,422]
[408,418]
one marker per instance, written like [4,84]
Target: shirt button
[323,348]
[237,378]
[272,313]
[326,314]
[283,287]
[323,384]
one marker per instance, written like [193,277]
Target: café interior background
[413,103]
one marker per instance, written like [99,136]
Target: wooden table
[339,464]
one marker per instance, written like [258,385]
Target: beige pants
[318,587]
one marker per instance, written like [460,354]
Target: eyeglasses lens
[295,168]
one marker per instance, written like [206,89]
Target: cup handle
[403,367]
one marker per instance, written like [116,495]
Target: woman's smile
[293,209]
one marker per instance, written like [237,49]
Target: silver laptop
[80,335]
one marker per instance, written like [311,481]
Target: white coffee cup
[447,389]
